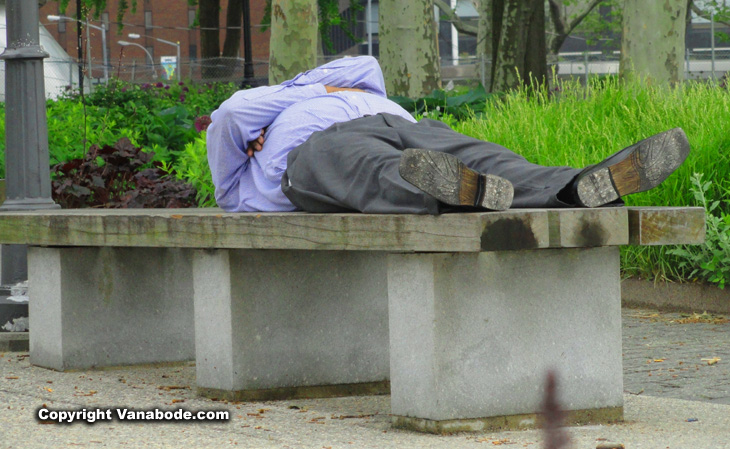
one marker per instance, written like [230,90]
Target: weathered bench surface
[470,232]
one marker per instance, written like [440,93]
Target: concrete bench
[459,316]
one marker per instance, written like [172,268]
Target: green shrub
[157,117]
[192,167]
[709,262]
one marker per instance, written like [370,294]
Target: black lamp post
[28,178]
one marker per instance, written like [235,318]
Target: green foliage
[159,118]
[329,16]
[98,6]
[192,167]
[597,28]
[577,126]
[711,261]
[459,107]
[119,176]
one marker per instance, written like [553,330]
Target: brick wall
[169,20]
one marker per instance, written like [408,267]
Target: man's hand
[255,145]
[331,89]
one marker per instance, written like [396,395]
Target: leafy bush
[122,176]
[192,167]
[711,261]
[158,117]
[461,106]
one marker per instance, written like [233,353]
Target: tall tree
[518,40]
[652,44]
[409,52]
[563,24]
[294,38]
[484,40]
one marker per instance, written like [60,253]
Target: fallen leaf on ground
[712,361]
[90,393]
[702,318]
[12,377]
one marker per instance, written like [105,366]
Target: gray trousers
[353,166]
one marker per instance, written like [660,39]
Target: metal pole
[585,61]
[369,27]
[483,70]
[28,183]
[247,45]
[88,57]
[152,61]
[454,39]
[80,47]
[712,43]
[179,67]
[105,56]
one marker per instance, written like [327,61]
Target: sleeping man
[329,140]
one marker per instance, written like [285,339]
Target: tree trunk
[209,38]
[536,54]
[653,44]
[232,43]
[519,51]
[234,20]
[408,48]
[293,43]
[484,42]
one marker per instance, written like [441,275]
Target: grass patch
[577,126]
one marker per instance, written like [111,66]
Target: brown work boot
[640,167]
[450,181]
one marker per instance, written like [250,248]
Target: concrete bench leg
[92,307]
[473,335]
[285,324]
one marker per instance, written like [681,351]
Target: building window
[61,26]
[192,14]
[193,51]
[152,52]
[148,19]
[105,20]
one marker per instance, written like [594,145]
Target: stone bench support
[282,324]
[94,307]
[472,337]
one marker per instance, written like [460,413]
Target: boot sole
[449,180]
[645,167]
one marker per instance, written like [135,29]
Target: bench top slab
[469,232]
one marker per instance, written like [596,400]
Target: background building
[170,20]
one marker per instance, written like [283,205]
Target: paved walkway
[676,356]
[663,358]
